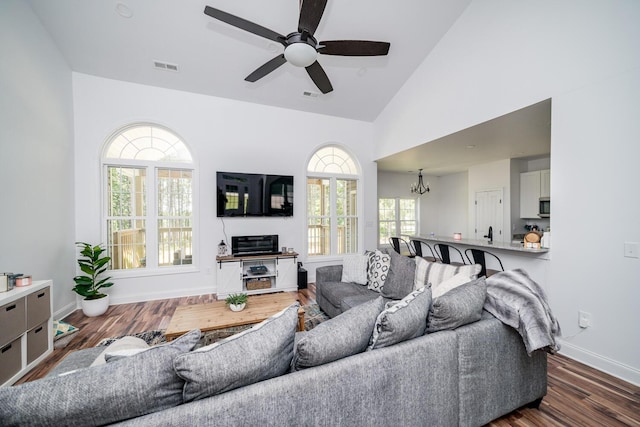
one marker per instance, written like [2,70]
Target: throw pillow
[124,343]
[262,352]
[449,284]
[354,269]
[402,272]
[62,329]
[403,320]
[344,335]
[379,263]
[457,307]
[435,273]
[131,387]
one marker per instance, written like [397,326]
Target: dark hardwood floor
[577,395]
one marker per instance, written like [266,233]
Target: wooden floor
[577,394]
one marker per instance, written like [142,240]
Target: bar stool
[478,256]
[417,249]
[395,242]
[444,252]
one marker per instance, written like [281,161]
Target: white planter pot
[238,307]
[95,307]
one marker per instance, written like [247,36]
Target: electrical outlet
[631,250]
[584,319]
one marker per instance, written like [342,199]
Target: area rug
[313,316]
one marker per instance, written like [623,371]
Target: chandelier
[420,188]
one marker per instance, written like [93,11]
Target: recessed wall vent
[165,66]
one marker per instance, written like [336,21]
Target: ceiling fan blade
[310,15]
[319,77]
[266,68]
[354,48]
[243,24]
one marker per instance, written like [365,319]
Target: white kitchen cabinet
[256,274]
[545,183]
[529,194]
[533,185]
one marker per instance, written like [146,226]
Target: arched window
[149,198]
[332,202]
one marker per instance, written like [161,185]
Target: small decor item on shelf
[258,269]
[457,236]
[236,302]
[222,248]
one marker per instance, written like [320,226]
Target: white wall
[503,55]
[36,155]
[223,135]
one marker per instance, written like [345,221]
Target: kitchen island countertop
[483,243]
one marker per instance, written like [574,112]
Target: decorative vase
[222,248]
[95,307]
[237,307]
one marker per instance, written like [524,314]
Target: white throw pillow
[354,269]
[435,273]
[449,284]
[122,344]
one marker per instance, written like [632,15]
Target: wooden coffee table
[216,315]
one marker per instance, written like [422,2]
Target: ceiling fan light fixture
[300,54]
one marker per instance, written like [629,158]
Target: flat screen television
[253,195]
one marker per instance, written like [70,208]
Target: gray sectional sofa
[467,376]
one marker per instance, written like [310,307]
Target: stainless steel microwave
[544,210]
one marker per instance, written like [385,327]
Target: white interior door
[489,213]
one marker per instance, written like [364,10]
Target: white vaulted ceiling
[122,39]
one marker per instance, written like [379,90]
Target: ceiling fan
[300,47]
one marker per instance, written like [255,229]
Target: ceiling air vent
[165,66]
[310,94]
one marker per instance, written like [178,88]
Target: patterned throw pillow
[435,273]
[402,320]
[379,263]
[354,269]
[62,329]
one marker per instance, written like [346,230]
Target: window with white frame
[332,202]
[149,198]
[396,217]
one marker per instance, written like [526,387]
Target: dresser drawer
[13,319]
[38,307]
[37,341]
[10,360]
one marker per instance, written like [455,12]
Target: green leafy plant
[93,264]
[236,299]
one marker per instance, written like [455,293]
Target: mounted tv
[254,195]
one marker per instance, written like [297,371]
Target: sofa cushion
[435,273]
[130,387]
[402,320]
[449,284]
[355,300]
[354,269]
[342,336]
[256,354]
[399,282]
[457,307]
[379,263]
[337,292]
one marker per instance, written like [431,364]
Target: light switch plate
[631,250]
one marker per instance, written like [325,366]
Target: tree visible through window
[396,217]
[332,203]
[149,198]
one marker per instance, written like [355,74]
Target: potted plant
[93,265]
[236,302]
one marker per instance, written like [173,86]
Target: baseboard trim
[65,311]
[177,293]
[601,363]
